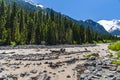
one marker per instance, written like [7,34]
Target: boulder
[23,74]
[82,76]
[92,58]
[33,71]
[98,74]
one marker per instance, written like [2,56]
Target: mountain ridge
[93,25]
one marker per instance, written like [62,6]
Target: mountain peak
[108,24]
[112,26]
[41,6]
[35,4]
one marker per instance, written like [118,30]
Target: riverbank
[46,62]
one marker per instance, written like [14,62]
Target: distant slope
[27,5]
[93,25]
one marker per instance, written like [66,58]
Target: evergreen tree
[31,27]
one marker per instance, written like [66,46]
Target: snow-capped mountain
[27,5]
[112,26]
[32,3]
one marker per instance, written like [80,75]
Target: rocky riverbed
[64,62]
[98,69]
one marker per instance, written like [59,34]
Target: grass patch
[115,46]
[93,54]
[110,55]
[118,54]
[116,62]
[13,43]
[107,41]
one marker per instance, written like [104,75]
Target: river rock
[23,74]
[99,74]
[114,78]
[113,68]
[82,76]
[99,62]
[92,58]
[33,71]
[110,75]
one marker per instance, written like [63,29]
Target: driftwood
[75,52]
[62,50]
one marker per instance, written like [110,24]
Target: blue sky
[85,9]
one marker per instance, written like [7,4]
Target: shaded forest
[31,27]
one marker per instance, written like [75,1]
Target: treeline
[31,27]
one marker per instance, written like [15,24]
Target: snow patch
[37,5]
[110,25]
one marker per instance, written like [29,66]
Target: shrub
[2,42]
[93,54]
[95,42]
[118,54]
[116,62]
[110,55]
[115,46]
[107,41]
[13,43]
[74,42]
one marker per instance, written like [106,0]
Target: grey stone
[94,72]
[23,74]
[82,76]
[99,68]
[33,71]
[93,63]
[98,74]
[114,78]
[2,78]
[1,69]
[86,64]
[83,58]
[91,68]
[118,71]
[99,62]
[107,62]
[110,75]
[89,77]
[92,58]
[87,71]
[62,50]
[113,68]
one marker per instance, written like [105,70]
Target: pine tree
[3,21]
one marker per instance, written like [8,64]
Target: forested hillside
[31,27]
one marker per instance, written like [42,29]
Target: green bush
[2,42]
[95,42]
[100,41]
[110,55]
[115,46]
[74,42]
[116,62]
[107,41]
[93,54]
[13,43]
[118,54]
